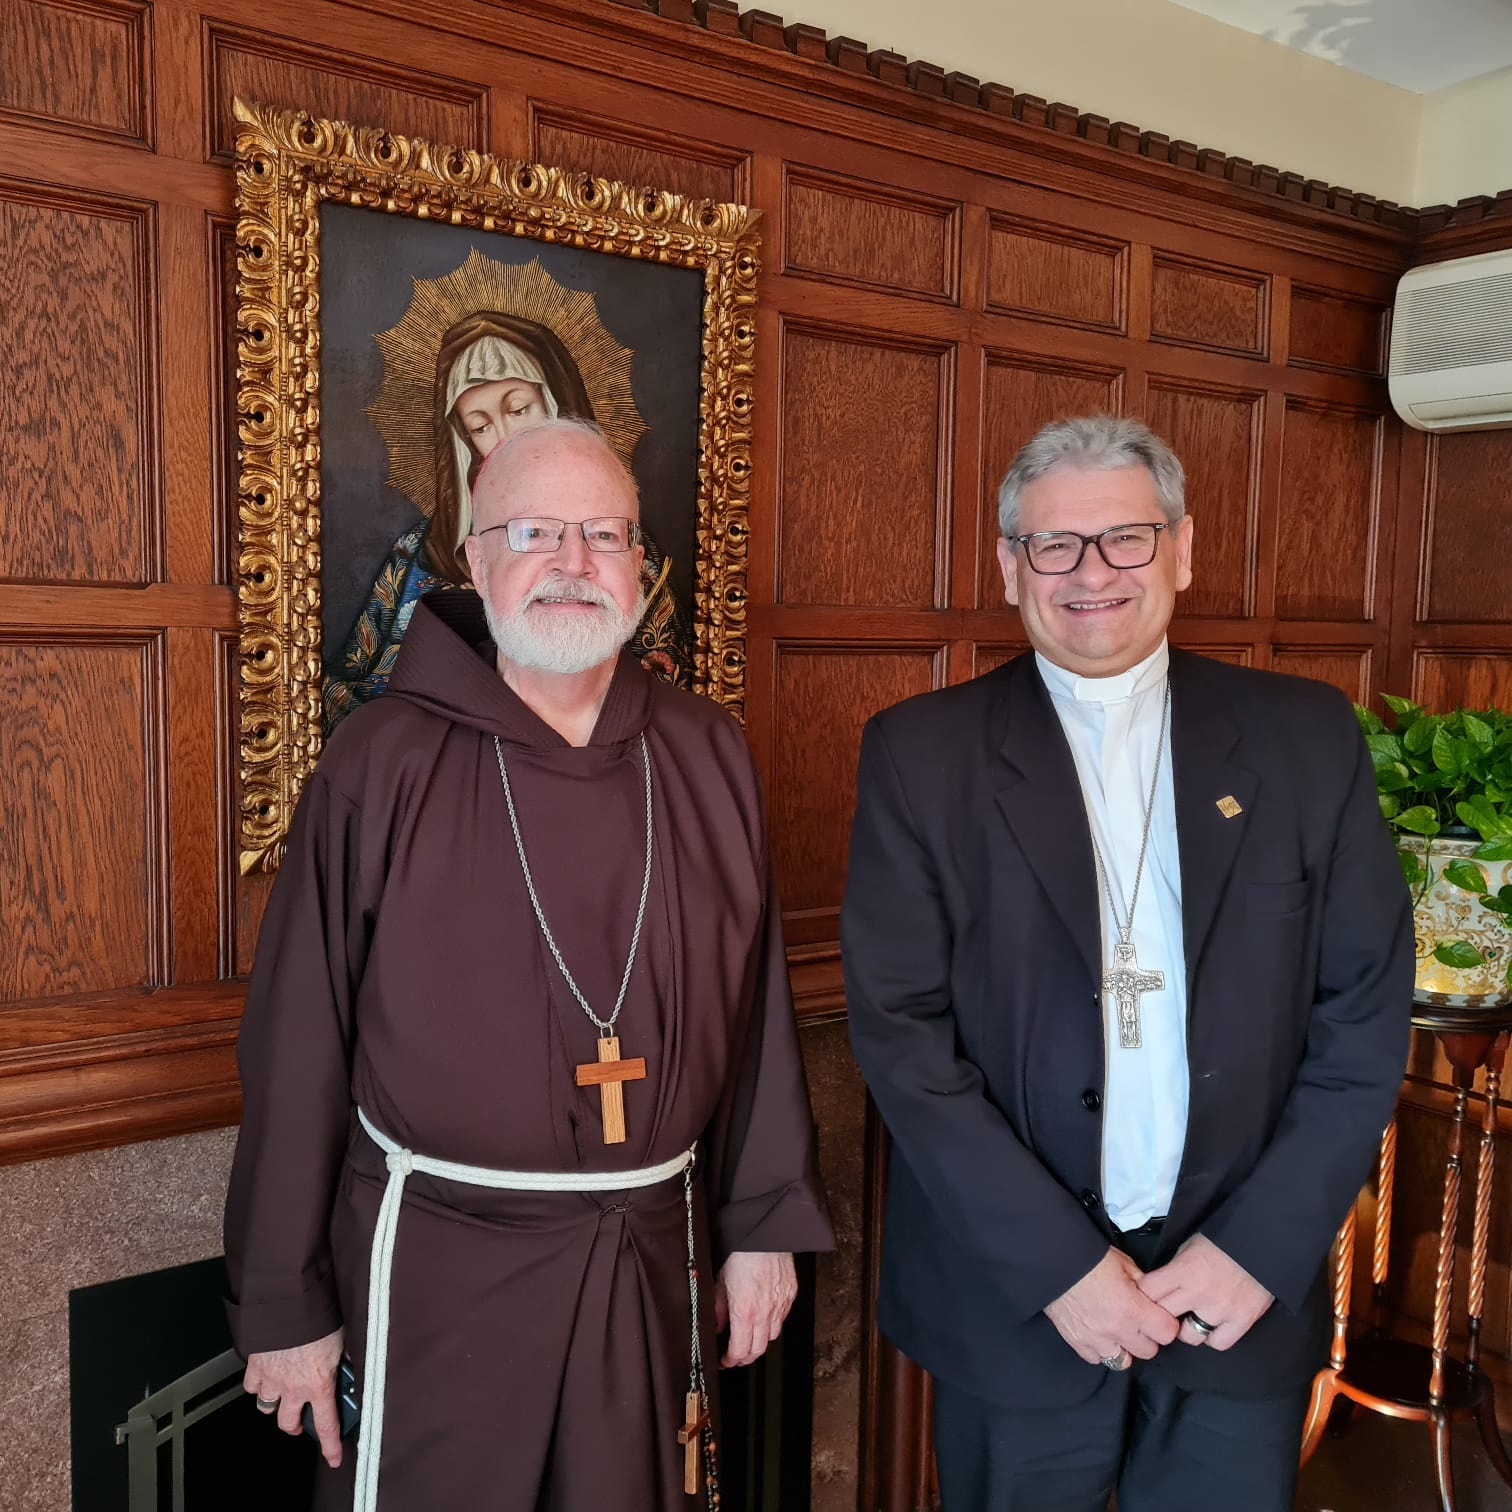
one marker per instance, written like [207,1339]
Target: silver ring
[264,1405]
[1119,1361]
[1202,1327]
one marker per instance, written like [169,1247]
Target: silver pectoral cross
[1128,984]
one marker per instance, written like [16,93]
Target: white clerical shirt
[1113,727]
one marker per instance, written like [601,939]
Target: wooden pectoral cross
[1128,984]
[609,1075]
[690,1436]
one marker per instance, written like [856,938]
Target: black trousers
[1162,1449]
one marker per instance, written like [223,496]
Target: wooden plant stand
[1404,1380]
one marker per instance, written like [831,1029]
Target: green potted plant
[1444,782]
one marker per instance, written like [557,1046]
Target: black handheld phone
[348,1409]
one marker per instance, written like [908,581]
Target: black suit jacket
[972,956]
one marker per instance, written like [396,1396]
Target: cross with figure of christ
[609,1075]
[1128,984]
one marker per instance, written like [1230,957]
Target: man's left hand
[1201,1279]
[753,1295]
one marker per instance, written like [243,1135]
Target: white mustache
[573,590]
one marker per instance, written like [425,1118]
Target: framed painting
[401,308]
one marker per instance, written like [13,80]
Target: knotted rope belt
[401,1164]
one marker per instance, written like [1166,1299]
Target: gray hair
[1094,443]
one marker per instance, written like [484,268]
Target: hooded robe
[539,1342]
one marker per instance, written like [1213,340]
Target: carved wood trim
[1373,233]
[806,52]
[104,1070]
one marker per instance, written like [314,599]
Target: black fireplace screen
[159,1420]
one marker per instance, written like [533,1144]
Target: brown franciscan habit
[539,1343]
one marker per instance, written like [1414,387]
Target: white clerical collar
[1067,685]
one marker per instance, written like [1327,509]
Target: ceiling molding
[810,45]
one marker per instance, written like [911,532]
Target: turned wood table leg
[1380,1268]
[1443,1286]
[1325,1388]
[1485,1170]
[1443,1289]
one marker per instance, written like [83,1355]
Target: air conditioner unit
[1451,345]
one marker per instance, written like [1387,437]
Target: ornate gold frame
[287,165]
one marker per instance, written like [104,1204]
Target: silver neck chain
[604,1026]
[1126,930]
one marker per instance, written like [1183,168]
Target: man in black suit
[1128,961]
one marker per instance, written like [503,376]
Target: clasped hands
[1116,1310]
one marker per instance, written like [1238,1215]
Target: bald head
[534,471]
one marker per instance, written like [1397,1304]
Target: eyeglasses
[612,533]
[1057,552]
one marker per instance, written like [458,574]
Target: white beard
[574,643]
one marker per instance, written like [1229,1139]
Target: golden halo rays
[403,409]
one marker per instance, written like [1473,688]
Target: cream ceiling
[1421,45]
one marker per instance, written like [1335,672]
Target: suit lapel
[1041,800]
[1205,772]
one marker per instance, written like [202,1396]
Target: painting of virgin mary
[494,372]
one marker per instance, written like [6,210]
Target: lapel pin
[1230,807]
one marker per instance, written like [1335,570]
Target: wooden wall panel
[851,231]
[1331,330]
[606,148]
[1216,433]
[1020,394]
[1462,679]
[1346,667]
[1469,551]
[79,489]
[865,469]
[1051,273]
[83,864]
[85,67]
[824,696]
[1235,656]
[1331,490]
[273,70]
[941,260]
[988,656]
[1202,304]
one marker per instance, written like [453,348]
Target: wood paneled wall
[946,267]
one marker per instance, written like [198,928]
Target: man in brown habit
[523,956]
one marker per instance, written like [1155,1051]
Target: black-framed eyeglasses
[1057,552]
[532,534]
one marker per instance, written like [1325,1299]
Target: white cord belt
[401,1163]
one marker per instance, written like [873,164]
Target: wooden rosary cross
[609,1074]
[690,1436]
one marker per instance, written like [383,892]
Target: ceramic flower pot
[1447,913]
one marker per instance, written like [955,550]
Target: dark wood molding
[811,53]
[110,1069]
[113,1068]
[1482,224]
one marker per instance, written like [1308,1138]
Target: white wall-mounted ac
[1451,345]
